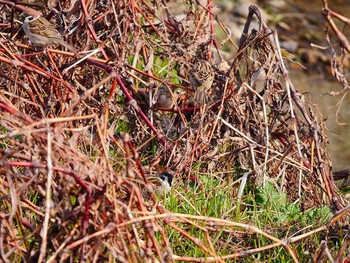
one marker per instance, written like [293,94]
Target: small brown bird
[42,33]
[166,181]
[161,183]
[165,99]
[201,78]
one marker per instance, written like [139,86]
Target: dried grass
[71,186]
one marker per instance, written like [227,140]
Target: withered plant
[81,132]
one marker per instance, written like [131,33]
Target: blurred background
[301,29]
[301,25]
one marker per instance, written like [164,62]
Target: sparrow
[42,33]
[166,181]
[161,183]
[201,78]
[165,99]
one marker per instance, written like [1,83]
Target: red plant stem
[88,21]
[69,172]
[129,98]
[17,63]
[137,108]
[15,112]
[135,6]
